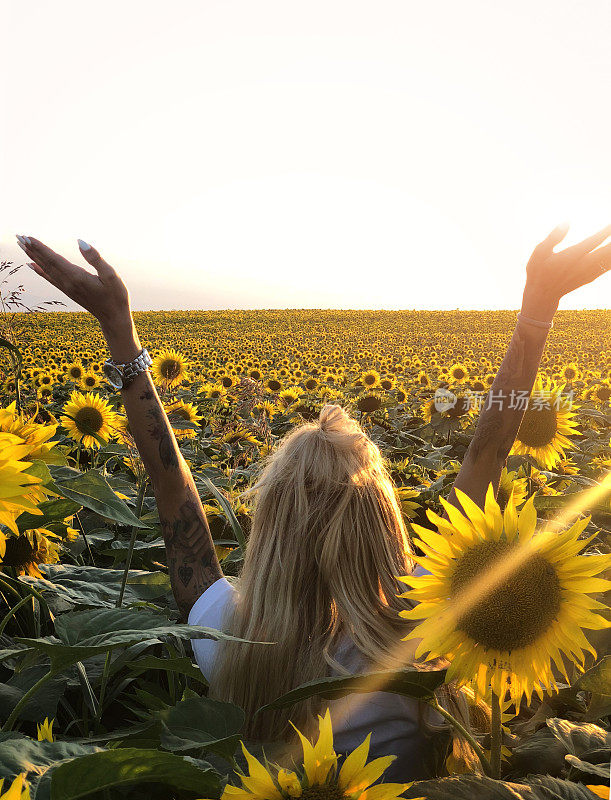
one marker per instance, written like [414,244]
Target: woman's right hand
[549,275]
[104,294]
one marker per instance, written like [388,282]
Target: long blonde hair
[326,544]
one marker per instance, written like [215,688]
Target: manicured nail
[21,244]
[21,238]
[27,240]
[83,245]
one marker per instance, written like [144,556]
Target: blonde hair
[326,546]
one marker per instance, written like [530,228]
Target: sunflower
[34,434]
[228,381]
[546,423]
[599,393]
[387,383]
[88,414]
[75,371]
[273,385]
[169,368]
[31,548]
[448,405]
[184,411]
[213,391]
[509,633]
[289,396]
[405,496]
[318,778]
[44,730]
[511,487]
[89,380]
[19,491]
[18,790]
[570,372]
[370,379]
[240,433]
[368,403]
[458,373]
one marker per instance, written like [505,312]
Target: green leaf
[52,511]
[418,685]
[598,681]
[474,787]
[560,501]
[181,666]
[92,491]
[19,753]
[39,469]
[578,738]
[43,704]
[200,722]
[124,766]
[94,586]
[600,770]
[83,634]
[544,787]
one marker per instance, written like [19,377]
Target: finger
[555,237]
[51,261]
[598,260]
[40,271]
[91,255]
[580,249]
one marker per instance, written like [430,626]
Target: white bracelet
[536,322]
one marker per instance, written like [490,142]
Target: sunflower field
[99,693]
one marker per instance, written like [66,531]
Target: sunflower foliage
[99,693]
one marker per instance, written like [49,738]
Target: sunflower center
[325,792]
[19,552]
[514,612]
[88,419]
[603,393]
[170,369]
[369,403]
[538,427]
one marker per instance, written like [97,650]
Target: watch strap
[134,367]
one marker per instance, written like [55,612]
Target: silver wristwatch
[119,376]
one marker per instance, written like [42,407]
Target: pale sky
[323,154]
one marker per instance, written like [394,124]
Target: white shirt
[391,718]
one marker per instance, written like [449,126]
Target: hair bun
[333,418]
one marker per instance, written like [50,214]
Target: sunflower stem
[132,540]
[496,735]
[466,734]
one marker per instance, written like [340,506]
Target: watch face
[113,376]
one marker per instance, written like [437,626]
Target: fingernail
[21,244]
[27,240]
[83,245]
[21,238]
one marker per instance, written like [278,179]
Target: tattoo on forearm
[192,562]
[161,432]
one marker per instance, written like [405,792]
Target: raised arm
[192,561]
[549,276]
